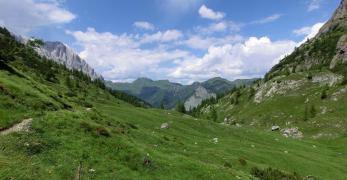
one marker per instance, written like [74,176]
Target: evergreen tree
[180,107]
[213,114]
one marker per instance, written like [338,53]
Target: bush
[324,94]
[103,132]
[180,107]
[242,161]
[273,174]
[227,165]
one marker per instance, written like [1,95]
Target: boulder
[164,126]
[292,132]
[215,140]
[275,128]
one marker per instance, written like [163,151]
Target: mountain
[62,54]
[306,90]
[168,94]
[59,124]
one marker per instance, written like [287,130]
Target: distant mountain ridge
[168,94]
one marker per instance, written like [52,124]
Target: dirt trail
[22,126]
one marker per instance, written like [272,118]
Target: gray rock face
[62,54]
[341,55]
[339,18]
[200,94]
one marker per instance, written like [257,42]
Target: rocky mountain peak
[61,53]
[339,19]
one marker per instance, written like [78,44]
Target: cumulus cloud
[308,31]
[221,26]
[203,43]
[268,19]
[144,25]
[169,35]
[207,13]
[123,57]
[251,58]
[314,5]
[22,16]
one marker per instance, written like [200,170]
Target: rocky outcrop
[339,19]
[293,133]
[62,54]
[341,52]
[329,79]
[199,95]
[272,88]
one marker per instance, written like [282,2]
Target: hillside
[77,129]
[305,91]
[168,94]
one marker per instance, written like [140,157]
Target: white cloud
[169,35]
[203,43]
[308,31]
[314,5]
[220,27]
[207,13]
[268,19]
[252,58]
[144,25]
[22,16]
[120,57]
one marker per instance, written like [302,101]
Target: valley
[60,119]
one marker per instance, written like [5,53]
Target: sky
[180,40]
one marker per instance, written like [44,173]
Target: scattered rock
[329,79]
[88,109]
[310,177]
[215,140]
[164,126]
[292,132]
[275,128]
[22,126]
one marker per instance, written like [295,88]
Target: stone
[164,126]
[215,140]
[275,128]
[292,132]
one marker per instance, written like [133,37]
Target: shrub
[242,161]
[180,107]
[103,132]
[324,94]
[269,174]
[227,164]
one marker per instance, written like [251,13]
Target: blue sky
[179,40]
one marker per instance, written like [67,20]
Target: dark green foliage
[242,161]
[103,132]
[35,42]
[251,93]
[213,114]
[227,164]
[324,94]
[273,174]
[180,107]
[309,76]
[310,112]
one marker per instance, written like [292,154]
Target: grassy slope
[62,138]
